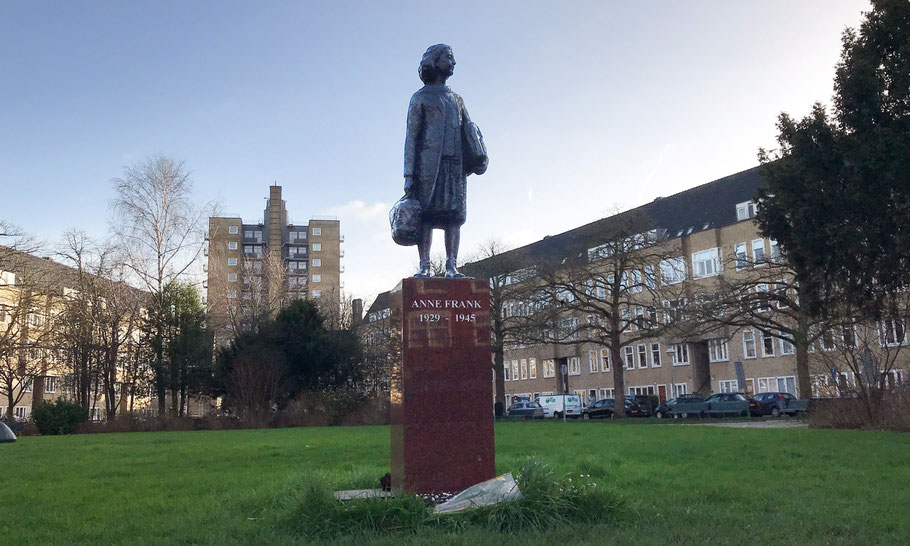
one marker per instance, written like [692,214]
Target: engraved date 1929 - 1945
[437,317]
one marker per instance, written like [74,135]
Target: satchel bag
[475,152]
[405,221]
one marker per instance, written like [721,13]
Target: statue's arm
[415,126]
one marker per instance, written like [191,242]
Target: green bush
[58,417]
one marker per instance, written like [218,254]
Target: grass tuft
[547,501]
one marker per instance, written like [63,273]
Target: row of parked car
[685,406]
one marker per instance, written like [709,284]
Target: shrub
[58,417]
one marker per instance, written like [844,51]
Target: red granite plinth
[442,393]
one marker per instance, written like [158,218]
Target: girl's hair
[427,70]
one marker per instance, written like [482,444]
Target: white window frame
[745,210]
[641,355]
[523,368]
[506,371]
[749,337]
[718,350]
[532,368]
[706,263]
[628,357]
[232,262]
[50,384]
[593,364]
[549,368]
[317,231]
[233,230]
[317,278]
[316,247]
[317,262]
[728,385]
[683,349]
[786,347]
[605,392]
[655,355]
[232,277]
[673,270]
[767,340]
[232,245]
[574,365]
[678,389]
[317,293]
[892,332]
[741,256]
[758,258]
[604,360]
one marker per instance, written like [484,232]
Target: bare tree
[763,294]
[161,229]
[27,317]
[624,290]
[864,357]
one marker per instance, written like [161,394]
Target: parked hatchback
[604,409]
[683,406]
[528,410]
[778,403]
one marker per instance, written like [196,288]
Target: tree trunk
[802,371]
[619,381]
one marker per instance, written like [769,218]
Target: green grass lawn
[682,484]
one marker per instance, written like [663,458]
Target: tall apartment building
[258,267]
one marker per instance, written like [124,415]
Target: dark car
[730,403]
[643,401]
[527,410]
[604,409]
[778,403]
[687,405]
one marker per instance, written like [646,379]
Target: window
[648,389]
[767,344]
[549,368]
[21,413]
[673,309]
[744,211]
[629,357]
[777,384]
[680,354]
[673,270]
[786,348]
[706,263]
[636,281]
[650,280]
[574,365]
[642,355]
[232,277]
[523,367]
[532,368]
[892,333]
[515,375]
[232,293]
[717,350]
[742,259]
[232,261]
[233,230]
[506,371]
[730,385]
[655,355]
[605,392]
[317,247]
[28,383]
[593,365]
[317,278]
[317,293]
[604,360]
[317,262]
[775,250]
[763,305]
[758,251]
[749,344]
[680,389]
[232,245]
[317,231]
[50,384]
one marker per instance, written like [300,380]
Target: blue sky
[585,107]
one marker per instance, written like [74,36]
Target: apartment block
[254,269]
[711,238]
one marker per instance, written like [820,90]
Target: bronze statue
[442,148]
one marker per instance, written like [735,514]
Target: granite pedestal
[442,394]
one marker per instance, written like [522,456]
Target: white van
[555,405]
